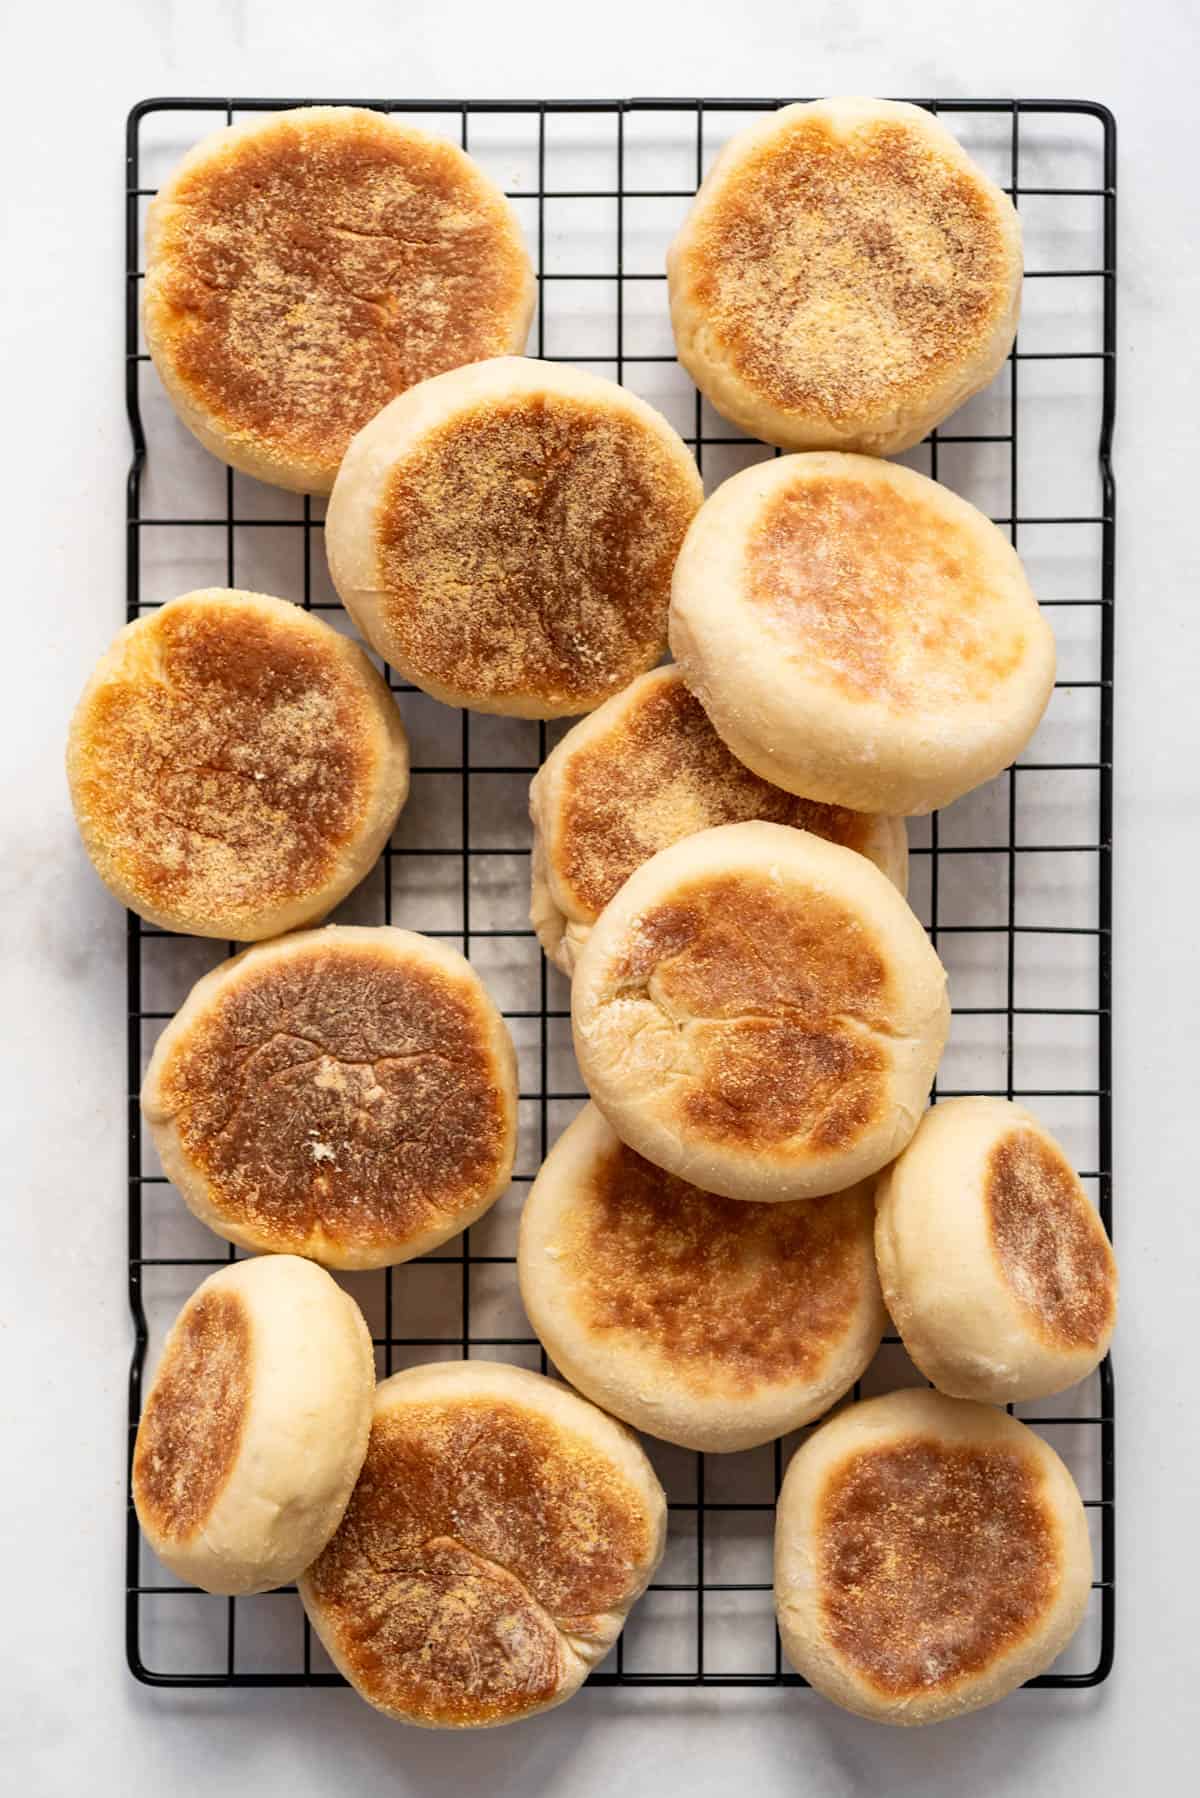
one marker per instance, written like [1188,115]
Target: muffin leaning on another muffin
[996,1267]
[759,1012]
[858,633]
[504,535]
[255,1425]
[643,771]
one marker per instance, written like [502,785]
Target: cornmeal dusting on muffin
[933,1561]
[841,274]
[661,773]
[228,759]
[481,1542]
[526,547]
[303,276]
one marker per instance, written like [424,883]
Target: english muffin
[845,278]
[758,1012]
[930,1555]
[304,267]
[504,535]
[255,1425]
[349,1094]
[858,633]
[708,1323]
[235,765]
[996,1268]
[643,771]
[500,1531]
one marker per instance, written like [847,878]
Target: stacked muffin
[337,303]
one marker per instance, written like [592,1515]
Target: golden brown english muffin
[706,1322]
[500,1531]
[504,535]
[930,1556]
[349,1094]
[845,278]
[758,1012]
[996,1267]
[235,765]
[304,267]
[858,633]
[643,771]
[255,1425]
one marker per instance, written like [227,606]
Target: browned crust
[934,1561]
[784,995]
[662,773]
[1049,1242]
[225,764]
[478,1536]
[195,1415]
[886,596]
[301,276]
[844,276]
[341,1097]
[526,549]
[730,1297]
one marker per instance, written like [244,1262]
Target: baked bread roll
[930,1555]
[235,765]
[859,634]
[500,1531]
[759,1012]
[305,267]
[708,1323]
[504,535]
[995,1266]
[349,1094]
[643,771]
[255,1425]
[845,278]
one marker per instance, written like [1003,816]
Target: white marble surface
[70,1717]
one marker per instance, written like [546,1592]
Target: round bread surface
[500,1531]
[639,774]
[504,535]
[349,1094]
[305,267]
[845,278]
[930,1556]
[995,1265]
[235,765]
[708,1323]
[255,1425]
[759,1012]
[858,633]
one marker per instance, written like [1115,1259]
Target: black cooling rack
[1045,938]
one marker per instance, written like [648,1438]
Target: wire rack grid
[1013,883]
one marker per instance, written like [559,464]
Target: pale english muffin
[349,1094]
[996,1268]
[255,1425]
[305,267]
[643,771]
[930,1556]
[706,1322]
[504,535]
[858,633]
[500,1531]
[235,765]
[758,1012]
[845,278]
